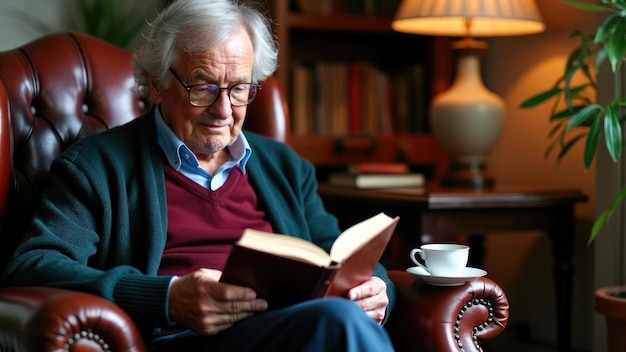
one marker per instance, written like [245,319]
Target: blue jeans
[329,324]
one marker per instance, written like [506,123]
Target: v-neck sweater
[203,225]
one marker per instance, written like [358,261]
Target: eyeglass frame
[228,89]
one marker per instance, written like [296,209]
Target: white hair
[199,25]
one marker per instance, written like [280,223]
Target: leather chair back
[61,88]
[6,148]
[268,114]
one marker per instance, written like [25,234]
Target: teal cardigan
[101,227]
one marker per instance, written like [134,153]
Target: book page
[285,246]
[358,235]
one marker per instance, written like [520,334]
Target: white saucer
[467,275]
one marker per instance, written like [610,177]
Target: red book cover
[354,98]
[378,168]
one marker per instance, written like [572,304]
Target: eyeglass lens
[207,94]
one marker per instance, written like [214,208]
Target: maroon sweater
[202,224]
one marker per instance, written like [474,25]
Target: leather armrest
[444,318]
[47,319]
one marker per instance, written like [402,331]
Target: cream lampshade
[466,119]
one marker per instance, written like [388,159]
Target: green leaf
[588,7]
[606,214]
[603,32]
[586,113]
[565,113]
[617,46]
[576,94]
[575,62]
[620,102]
[555,129]
[575,91]
[598,225]
[570,143]
[587,73]
[541,97]
[546,154]
[591,146]
[613,132]
[601,56]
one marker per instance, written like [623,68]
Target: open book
[285,270]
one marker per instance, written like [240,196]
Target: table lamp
[466,119]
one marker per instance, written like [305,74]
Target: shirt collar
[173,147]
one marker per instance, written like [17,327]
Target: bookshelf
[357,90]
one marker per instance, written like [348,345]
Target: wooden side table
[433,214]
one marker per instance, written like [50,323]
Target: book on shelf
[371,7]
[351,97]
[373,167]
[408,105]
[354,98]
[314,7]
[368,180]
[285,270]
[303,99]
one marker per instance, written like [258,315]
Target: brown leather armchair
[66,86]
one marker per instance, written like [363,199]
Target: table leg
[562,236]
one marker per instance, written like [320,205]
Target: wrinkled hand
[371,296]
[201,303]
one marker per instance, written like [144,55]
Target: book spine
[378,168]
[354,98]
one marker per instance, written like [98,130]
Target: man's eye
[204,89]
[240,88]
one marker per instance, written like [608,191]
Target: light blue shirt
[182,159]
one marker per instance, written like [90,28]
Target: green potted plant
[118,22]
[578,117]
[575,113]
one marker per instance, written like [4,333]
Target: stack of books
[377,175]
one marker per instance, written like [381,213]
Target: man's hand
[371,296]
[201,303]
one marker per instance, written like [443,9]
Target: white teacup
[441,259]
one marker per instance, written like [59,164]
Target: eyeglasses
[202,95]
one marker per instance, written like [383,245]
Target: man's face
[207,130]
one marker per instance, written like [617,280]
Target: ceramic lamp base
[467,176]
[466,120]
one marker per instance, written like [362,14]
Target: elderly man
[145,214]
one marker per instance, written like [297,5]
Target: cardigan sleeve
[100,226]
